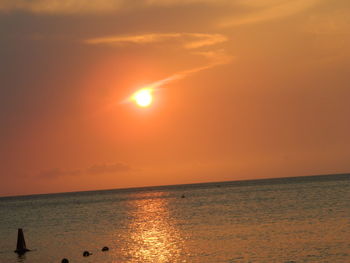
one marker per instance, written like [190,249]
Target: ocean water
[283,220]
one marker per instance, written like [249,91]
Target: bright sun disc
[143,97]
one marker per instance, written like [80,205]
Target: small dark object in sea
[183,196]
[105,249]
[21,243]
[65,260]
[86,253]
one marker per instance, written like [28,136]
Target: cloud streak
[252,10]
[107,168]
[61,6]
[183,74]
[216,58]
[260,11]
[188,41]
[96,169]
[92,7]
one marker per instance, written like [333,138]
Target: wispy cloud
[252,10]
[188,40]
[195,42]
[61,6]
[204,40]
[259,11]
[92,170]
[92,7]
[107,168]
[215,57]
[218,60]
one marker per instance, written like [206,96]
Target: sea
[287,220]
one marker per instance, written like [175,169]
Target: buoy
[86,253]
[105,249]
[21,243]
[65,260]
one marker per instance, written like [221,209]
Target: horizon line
[155,187]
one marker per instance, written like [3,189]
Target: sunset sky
[242,89]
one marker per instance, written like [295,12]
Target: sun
[143,97]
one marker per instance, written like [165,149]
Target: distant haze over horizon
[236,90]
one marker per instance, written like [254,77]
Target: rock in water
[86,253]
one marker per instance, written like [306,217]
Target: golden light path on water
[154,235]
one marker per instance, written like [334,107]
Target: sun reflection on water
[153,231]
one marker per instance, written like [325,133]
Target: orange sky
[245,89]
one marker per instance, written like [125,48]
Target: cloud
[243,12]
[183,74]
[93,170]
[204,40]
[90,7]
[93,7]
[215,57]
[107,168]
[189,40]
[259,11]
[61,6]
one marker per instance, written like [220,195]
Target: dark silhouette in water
[183,196]
[86,253]
[21,243]
[105,249]
[65,260]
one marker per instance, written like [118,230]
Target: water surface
[284,220]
